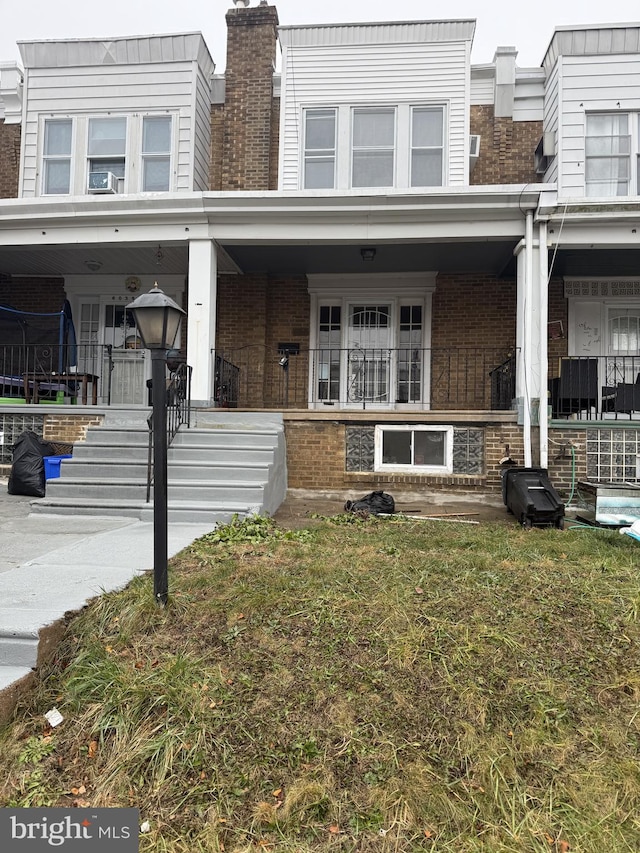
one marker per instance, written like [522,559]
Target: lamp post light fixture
[158,320]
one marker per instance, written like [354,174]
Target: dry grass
[360,686]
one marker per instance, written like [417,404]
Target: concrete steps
[214,472]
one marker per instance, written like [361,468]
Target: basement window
[414,448]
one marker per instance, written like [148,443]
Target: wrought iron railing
[178,391]
[39,373]
[595,387]
[455,378]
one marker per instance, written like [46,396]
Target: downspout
[543,418]
[527,354]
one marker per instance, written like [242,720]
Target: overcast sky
[527,26]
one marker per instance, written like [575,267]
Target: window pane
[429,448]
[373,128]
[57,176]
[426,127]
[116,167]
[396,448]
[319,173]
[57,138]
[156,135]
[372,169]
[607,125]
[156,174]
[107,136]
[426,168]
[320,130]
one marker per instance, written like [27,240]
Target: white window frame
[56,158]
[423,108]
[147,156]
[344,117]
[388,148]
[345,290]
[94,159]
[311,154]
[445,468]
[631,157]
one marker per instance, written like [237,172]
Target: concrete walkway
[50,565]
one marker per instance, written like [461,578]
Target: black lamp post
[158,319]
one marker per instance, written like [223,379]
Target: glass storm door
[369,367]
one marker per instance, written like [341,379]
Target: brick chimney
[250,122]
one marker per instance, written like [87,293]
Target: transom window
[612,154]
[57,156]
[399,145]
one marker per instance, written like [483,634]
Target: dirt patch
[300,507]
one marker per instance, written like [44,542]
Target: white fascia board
[486,211]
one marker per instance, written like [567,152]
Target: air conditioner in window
[545,152]
[474,150]
[102,182]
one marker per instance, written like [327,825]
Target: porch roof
[448,229]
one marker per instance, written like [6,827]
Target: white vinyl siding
[589,85]
[375,75]
[552,111]
[146,76]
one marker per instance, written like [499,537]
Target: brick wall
[473,331]
[217,137]
[41,295]
[247,145]
[316,460]
[68,427]
[255,314]
[506,148]
[9,159]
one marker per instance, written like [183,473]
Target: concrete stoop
[221,468]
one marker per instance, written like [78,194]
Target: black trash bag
[375,503]
[27,470]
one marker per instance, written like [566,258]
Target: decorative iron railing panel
[365,378]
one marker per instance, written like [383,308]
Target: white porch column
[528,336]
[201,318]
[544,344]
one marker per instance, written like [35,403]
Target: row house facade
[427,266]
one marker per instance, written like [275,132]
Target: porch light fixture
[159,255]
[367,253]
[158,319]
[94,266]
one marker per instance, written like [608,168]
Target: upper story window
[107,145]
[319,149]
[57,156]
[156,153]
[374,146]
[107,154]
[427,146]
[612,154]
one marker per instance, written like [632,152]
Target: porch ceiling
[495,256]
[596,262]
